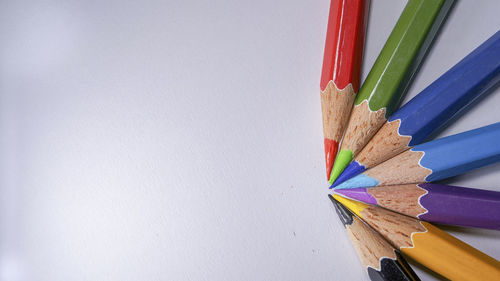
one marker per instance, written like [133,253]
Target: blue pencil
[432,109]
[435,160]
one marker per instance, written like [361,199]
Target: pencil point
[360,180]
[354,206]
[343,159]
[359,194]
[331,149]
[344,214]
[351,171]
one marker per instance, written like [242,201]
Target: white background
[182,140]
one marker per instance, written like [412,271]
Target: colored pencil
[390,75]
[445,204]
[435,160]
[427,244]
[341,69]
[381,260]
[442,101]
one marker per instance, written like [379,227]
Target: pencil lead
[351,171]
[331,149]
[359,194]
[354,206]
[360,180]
[343,159]
[344,214]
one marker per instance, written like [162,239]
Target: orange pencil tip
[331,150]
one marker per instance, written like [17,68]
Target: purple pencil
[446,204]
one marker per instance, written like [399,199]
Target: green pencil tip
[343,159]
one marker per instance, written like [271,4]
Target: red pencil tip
[331,149]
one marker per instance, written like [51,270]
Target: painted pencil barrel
[460,153]
[344,43]
[402,53]
[450,256]
[461,206]
[451,93]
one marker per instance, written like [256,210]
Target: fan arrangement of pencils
[380,160]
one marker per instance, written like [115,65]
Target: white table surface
[182,140]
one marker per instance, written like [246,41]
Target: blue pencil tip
[361,180]
[352,170]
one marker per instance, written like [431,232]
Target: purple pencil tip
[360,194]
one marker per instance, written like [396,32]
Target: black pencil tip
[344,214]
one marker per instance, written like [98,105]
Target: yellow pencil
[427,244]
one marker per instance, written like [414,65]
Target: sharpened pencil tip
[351,171]
[331,149]
[344,214]
[354,206]
[360,180]
[359,194]
[343,159]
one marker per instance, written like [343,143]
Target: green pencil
[391,75]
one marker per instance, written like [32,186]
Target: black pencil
[381,260]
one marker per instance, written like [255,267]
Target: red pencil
[341,70]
